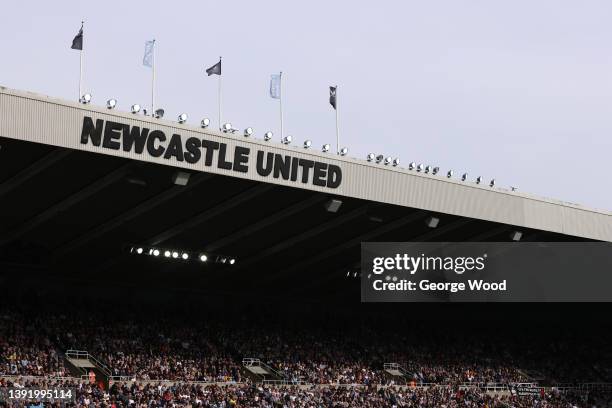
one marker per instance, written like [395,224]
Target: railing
[81,354]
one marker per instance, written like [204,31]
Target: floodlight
[396,161]
[343,151]
[333,205]
[227,127]
[432,222]
[492,183]
[380,158]
[159,113]
[464,177]
[370,157]
[185,256]
[175,254]
[287,139]
[411,166]
[182,118]
[156,252]
[268,136]
[420,167]
[248,132]
[111,103]
[478,179]
[205,123]
[516,235]
[203,257]
[232,261]
[135,108]
[307,144]
[325,148]
[85,99]
[139,251]
[427,169]
[435,170]
[167,254]
[388,161]
[449,174]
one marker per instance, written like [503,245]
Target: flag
[77,41]
[215,69]
[275,86]
[147,60]
[332,96]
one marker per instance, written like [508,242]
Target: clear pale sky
[516,90]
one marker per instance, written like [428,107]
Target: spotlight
[156,252]
[411,166]
[427,169]
[203,257]
[111,103]
[492,183]
[85,99]
[325,148]
[449,174]
[420,167]
[181,178]
[388,161]
[204,123]
[232,261]
[516,235]
[248,132]
[343,151]
[333,205]
[478,179]
[268,136]
[380,158]
[158,114]
[227,127]
[135,108]
[185,256]
[464,177]
[287,139]
[370,157]
[182,118]
[139,251]
[432,222]
[167,254]
[396,162]
[175,254]
[435,170]
[307,144]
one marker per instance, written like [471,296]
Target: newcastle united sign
[155,143]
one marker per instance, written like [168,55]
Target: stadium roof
[81,183]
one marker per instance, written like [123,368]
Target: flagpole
[337,127]
[153,83]
[281,103]
[81,63]
[219,98]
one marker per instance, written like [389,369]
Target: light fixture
[464,177]
[380,158]
[420,167]
[182,118]
[427,169]
[232,261]
[181,178]
[85,99]
[203,257]
[435,170]
[411,166]
[492,183]
[167,254]
[175,254]
[268,136]
[432,222]
[139,250]
[248,132]
[185,256]
[516,235]
[156,252]
[325,148]
[344,151]
[111,104]
[370,157]
[287,139]
[227,127]
[135,108]
[307,144]
[478,179]
[449,174]
[159,113]
[396,161]
[204,123]
[333,205]
[388,161]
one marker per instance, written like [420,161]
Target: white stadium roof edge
[41,119]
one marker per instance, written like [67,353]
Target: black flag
[77,42]
[332,96]
[215,69]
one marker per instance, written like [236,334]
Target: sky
[519,91]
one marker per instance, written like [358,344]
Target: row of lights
[181,255]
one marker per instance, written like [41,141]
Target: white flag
[275,86]
[147,60]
